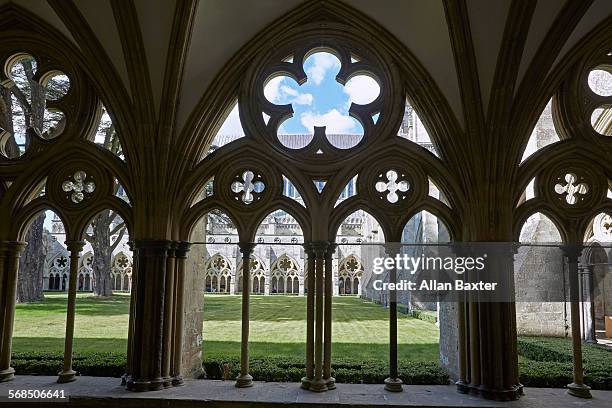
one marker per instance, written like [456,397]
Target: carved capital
[12,248]
[246,248]
[75,247]
[572,252]
[319,248]
[172,249]
[152,248]
[182,248]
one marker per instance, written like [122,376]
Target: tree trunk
[30,278]
[32,264]
[101,245]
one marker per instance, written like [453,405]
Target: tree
[23,111]
[106,224]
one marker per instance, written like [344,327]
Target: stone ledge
[107,392]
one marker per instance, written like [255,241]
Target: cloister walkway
[107,392]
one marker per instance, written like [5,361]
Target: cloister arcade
[172,178]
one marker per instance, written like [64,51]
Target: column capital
[572,252]
[173,248]
[331,248]
[246,248]
[182,248]
[319,248]
[75,247]
[12,248]
[150,247]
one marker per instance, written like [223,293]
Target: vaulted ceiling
[219,28]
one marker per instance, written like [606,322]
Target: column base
[393,384]
[462,387]
[318,385]
[510,394]
[178,381]
[244,381]
[66,377]
[331,383]
[167,382]
[142,385]
[579,390]
[7,375]
[306,383]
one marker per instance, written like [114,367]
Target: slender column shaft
[169,311]
[330,381]
[461,340]
[9,266]
[133,296]
[245,379]
[68,374]
[310,315]
[320,247]
[577,388]
[393,383]
[181,259]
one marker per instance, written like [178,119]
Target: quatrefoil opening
[322,101]
[393,185]
[248,188]
[78,187]
[572,190]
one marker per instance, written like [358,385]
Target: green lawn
[278,333]
[278,327]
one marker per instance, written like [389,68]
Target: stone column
[490,341]
[75,248]
[133,291]
[329,271]
[179,294]
[310,316]
[318,383]
[393,383]
[244,379]
[169,313]
[576,388]
[147,337]
[10,252]
[587,304]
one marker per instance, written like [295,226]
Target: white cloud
[303,99]
[272,90]
[333,120]
[322,62]
[362,89]
[232,125]
[279,93]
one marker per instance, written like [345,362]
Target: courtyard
[278,330]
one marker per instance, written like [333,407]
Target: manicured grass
[278,334]
[100,324]
[278,327]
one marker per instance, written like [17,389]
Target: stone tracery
[247,202]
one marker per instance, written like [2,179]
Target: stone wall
[193,301]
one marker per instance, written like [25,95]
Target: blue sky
[321,101]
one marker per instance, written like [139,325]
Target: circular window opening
[600,81]
[56,85]
[601,120]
